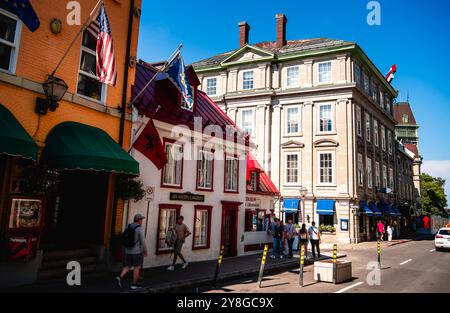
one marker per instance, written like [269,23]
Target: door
[230,227]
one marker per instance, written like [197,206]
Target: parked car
[442,239]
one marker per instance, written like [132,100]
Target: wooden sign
[186,197]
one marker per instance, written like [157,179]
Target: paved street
[413,266]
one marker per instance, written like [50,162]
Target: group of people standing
[382,230]
[286,233]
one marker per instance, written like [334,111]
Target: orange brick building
[84,211]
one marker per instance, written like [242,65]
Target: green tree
[433,195]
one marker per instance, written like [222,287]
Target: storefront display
[25,213]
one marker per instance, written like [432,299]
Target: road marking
[433,250]
[403,263]
[349,287]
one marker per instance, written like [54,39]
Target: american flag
[106,63]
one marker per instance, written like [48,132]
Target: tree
[433,195]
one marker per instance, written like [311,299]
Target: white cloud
[438,168]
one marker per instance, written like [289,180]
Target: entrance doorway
[230,212]
[76,219]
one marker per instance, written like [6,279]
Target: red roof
[266,186]
[401,109]
[412,147]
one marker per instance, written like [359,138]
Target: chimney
[281,30]
[244,30]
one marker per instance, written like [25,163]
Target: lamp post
[303,192]
[54,89]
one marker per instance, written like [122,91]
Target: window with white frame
[247,121]
[369,173]
[88,83]
[201,226]
[205,170]
[389,133]
[384,176]
[247,80]
[357,74]
[376,135]
[383,138]
[377,175]
[368,128]
[358,121]
[293,76]
[293,120]
[391,178]
[366,83]
[325,118]
[231,173]
[10,28]
[326,168]
[211,86]
[292,168]
[360,170]
[167,219]
[325,72]
[172,171]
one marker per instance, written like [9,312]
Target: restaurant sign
[252,203]
[186,197]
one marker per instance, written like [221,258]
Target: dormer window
[254,180]
[405,119]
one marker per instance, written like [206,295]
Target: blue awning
[386,208]
[325,207]
[374,208]
[291,205]
[366,209]
[396,211]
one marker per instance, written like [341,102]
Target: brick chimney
[281,30]
[244,30]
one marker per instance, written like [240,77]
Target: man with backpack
[133,240]
[277,232]
[181,232]
[314,239]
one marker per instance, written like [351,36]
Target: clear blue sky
[414,34]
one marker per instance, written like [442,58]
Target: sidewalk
[158,280]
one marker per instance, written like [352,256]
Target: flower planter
[323,271]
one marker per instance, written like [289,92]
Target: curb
[192,283]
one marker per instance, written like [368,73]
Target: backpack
[171,237]
[128,236]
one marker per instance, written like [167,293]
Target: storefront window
[256,221]
[167,218]
[327,220]
[201,227]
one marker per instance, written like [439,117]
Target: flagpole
[83,27]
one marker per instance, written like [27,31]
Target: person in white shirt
[390,232]
[314,238]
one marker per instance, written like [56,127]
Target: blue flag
[23,10]
[176,72]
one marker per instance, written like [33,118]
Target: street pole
[302,264]
[334,263]
[263,264]
[148,212]
[219,263]
[379,254]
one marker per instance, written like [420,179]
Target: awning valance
[366,209]
[75,146]
[14,139]
[325,207]
[373,206]
[291,205]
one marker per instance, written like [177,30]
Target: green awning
[14,139]
[75,146]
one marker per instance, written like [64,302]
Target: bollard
[302,264]
[334,263]
[379,254]
[263,264]
[219,263]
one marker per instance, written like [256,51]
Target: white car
[442,239]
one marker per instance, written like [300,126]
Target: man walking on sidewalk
[135,250]
[289,233]
[277,231]
[314,238]
[182,232]
[380,229]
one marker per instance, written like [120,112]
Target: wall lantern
[54,89]
[56,26]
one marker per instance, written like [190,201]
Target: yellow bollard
[302,265]
[219,263]
[379,253]
[334,263]
[263,264]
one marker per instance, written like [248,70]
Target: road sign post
[334,263]
[263,264]
[302,265]
[219,263]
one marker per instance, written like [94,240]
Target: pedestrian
[133,240]
[314,238]
[380,229]
[390,232]
[303,238]
[182,232]
[289,234]
[277,232]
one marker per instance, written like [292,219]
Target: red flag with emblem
[149,144]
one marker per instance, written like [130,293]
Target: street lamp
[303,193]
[54,89]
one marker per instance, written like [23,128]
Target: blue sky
[414,34]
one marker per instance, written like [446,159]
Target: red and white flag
[149,144]
[106,63]
[390,75]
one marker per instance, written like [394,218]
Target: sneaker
[272,256]
[281,256]
[185,265]
[171,268]
[135,287]
[119,281]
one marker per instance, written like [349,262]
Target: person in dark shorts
[182,232]
[134,255]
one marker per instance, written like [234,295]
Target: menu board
[25,213]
